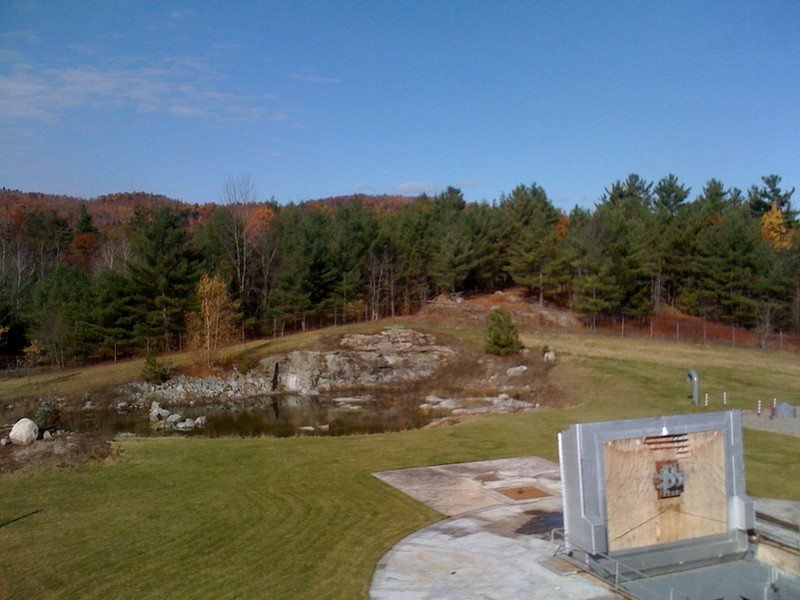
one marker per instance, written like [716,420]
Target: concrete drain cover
[527,492]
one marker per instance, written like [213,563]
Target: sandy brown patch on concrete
[526,492]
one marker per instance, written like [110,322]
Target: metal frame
[583,477]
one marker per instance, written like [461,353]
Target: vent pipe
[695,380]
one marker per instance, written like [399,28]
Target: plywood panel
[637,516]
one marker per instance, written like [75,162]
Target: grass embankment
[303,517]
[96,378]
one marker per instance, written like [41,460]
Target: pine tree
[761,198]
[596,292]
[113,315]
[58,312]
[501,333]
[163,273]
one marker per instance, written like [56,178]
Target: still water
[278,416]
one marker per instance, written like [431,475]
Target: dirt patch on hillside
[523,376]
[454,309]
[62,452]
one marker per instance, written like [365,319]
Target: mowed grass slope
[303,517]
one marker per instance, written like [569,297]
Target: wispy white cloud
[413,188]
[176,86]
[309,78]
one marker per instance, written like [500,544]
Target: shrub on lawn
[501,333]
[46,416]
[155,370]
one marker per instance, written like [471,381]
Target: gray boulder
[24,432]
[186,425]
[515,371]
[201,421]
[175,418]
[157,413]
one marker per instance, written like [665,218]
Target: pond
[274,415]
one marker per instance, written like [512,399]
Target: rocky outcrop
[477,406]
[391,357]
[183,389]
[360,362]
[24,432]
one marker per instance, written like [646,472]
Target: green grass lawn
[303,517]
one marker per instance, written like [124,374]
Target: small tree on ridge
[501,333]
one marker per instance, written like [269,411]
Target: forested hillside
[117,275]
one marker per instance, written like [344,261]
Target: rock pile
[161,418]
[182,389]
[477,406]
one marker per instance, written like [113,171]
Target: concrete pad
[458,488]
[789,426]
[494,553]
[494,548]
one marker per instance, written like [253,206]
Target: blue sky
[317,99]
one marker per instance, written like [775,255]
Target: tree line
[70,292]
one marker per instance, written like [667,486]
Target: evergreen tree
[670,195]
[533,236]
[488,249]
[761,198]
[596,291]
[163,273]
[455,259]
[501,333]
[621,237]
[58,312]
[85,222]
[114,315]
[633,189]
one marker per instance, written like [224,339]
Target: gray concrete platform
[494,548]
[753,420]
[495,553]
[462,487]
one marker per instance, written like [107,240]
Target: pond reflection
[274,415]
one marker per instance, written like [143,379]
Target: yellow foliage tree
[773,228]
[214,323]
